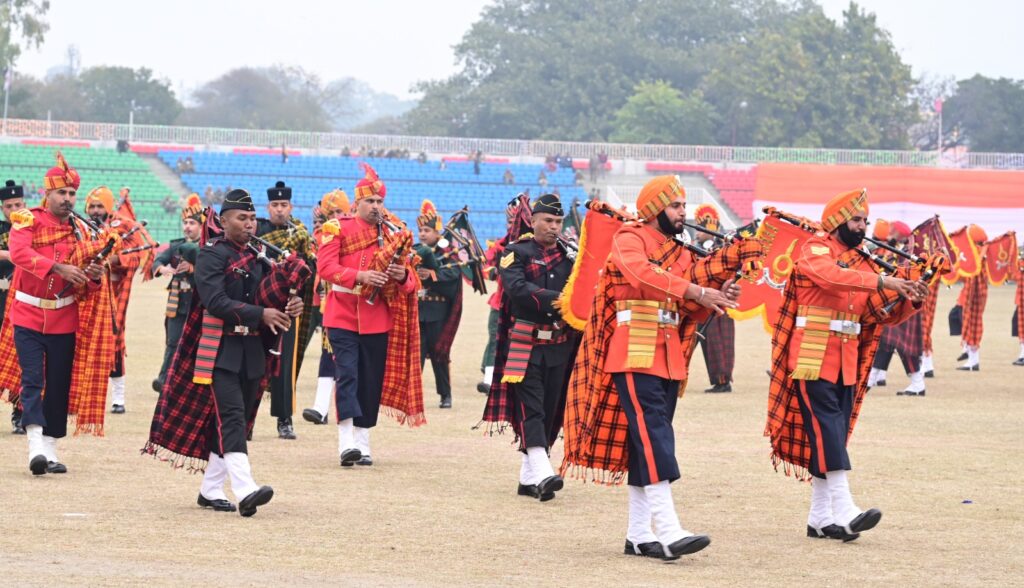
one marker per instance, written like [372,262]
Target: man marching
[288,233]
[439,297]
[534,347]
[975,296]
[719,343]
[633,363]
[178,261]
[490,271]
[822,348]
[48,285]
[12,197]
[371,320]
[1018,326]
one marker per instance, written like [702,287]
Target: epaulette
[21,219]
[176,241]
[524,237]
[331,227]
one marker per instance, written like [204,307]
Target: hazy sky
[393,43]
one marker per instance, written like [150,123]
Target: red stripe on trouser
[822,464]
[645,439]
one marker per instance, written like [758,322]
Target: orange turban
[842,208]
[658,194]
[881,231]
[335,200]
[706,216]
[899,230]
[429,217]
[371,185]
[61,176]
[977,234]
[102,195]
[193,209]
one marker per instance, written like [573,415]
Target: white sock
[35,441]
[525,472]
[50,448]
[324,389]
[843,508]
[488,374]
[242,483]
[821,505]
[214,478]
[117,390]
[916,382]
[540,465]
[362,439]
[926,363]
[639,529]
[346,436]
[1022,350]
[973,356]
[876,376]
[663,513]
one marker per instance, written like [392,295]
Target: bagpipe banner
[1001,257]
[967,262]
[594,246]
[466,250]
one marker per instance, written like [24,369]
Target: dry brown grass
[439,506]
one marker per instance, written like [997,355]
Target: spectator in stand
[169,204]
[567,161]
[443,165]
[595,194]
[477,158]
[508,177]
[218,197]
[208,196]
[602,160]
[422,157]
[578,177]
[190,166]
[345,151]
[179,167]
[542,180]
[284,154]
[593,164]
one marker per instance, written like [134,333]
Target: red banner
[1000,258]
[968,261]
[595,245]
[930,237]
[782,242]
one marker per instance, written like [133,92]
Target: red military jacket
[34,276]
[346,310]
[634,251]
[845,292]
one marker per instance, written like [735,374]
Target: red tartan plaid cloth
[1020,300]
[928,318]
[183,428]
[975,298]
[94,343]
[905,339]
[121,290]
[596,428]
[719,347]
[785,427]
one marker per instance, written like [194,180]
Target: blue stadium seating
[408,183]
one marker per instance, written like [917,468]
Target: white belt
[44,303]
[665,317]
[240,330]
[344,290]
[844,327]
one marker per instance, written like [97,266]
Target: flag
[595,245]
[930,237]
[8,77]
[938,106]
[782,242]
[967,263]
[1000,255]
[466,249]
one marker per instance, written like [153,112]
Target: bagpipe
[625,216]
[399,252]
[113,243]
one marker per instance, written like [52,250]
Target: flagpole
[8,73]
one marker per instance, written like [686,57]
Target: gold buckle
[47,304]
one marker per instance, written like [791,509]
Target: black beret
[279,192]
[11,190]
[237,199]
[549,203]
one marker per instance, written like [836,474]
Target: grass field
[439,505]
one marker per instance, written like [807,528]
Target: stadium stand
[27,163]
[736,186]
[408,182]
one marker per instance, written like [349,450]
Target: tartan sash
[642,330]
[173,297]
[814,342]
[209,344]
[520,345]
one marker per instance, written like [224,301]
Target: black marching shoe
[312,416]
[831,532]
[719,388]
[533,491]
[929,374]
[157,385]
[350,456]
[1018,361]
[446,401]
[483,387]
[879,384]
[38,465]
[16,428]
[550,485]
[969,368]
[864,521]
[285,429]
[219,505]
[365,460]
[56,467]
[651,549]
[962,356]
[262,495]
[910,393]
[686,546]
[117,409]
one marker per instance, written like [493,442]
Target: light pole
[131,121]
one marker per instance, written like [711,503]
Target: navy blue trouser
[649,403]
[326,368]
[234,402]
[826,408]
[45,364]
[429,334]
[359,362]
